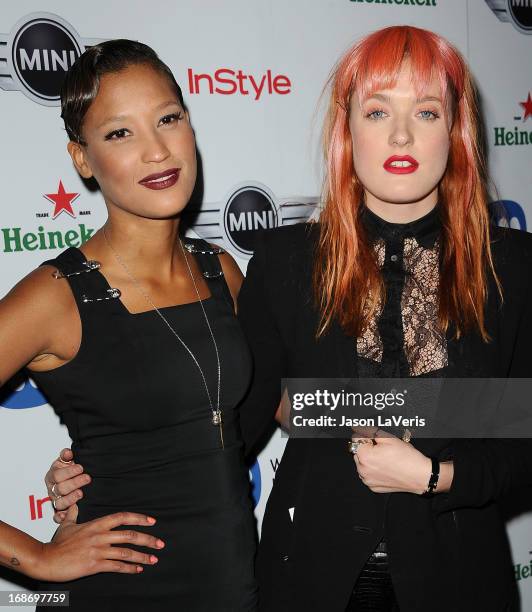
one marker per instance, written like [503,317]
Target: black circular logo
[249,209]
[521,13]
[43,49]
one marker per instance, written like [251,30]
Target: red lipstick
[404,164]
[161,180]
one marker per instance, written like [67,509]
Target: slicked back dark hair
[83,78]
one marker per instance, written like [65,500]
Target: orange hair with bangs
[347,281]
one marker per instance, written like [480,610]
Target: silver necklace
[216,412]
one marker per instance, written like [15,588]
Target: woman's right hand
[94,547]
[66,478]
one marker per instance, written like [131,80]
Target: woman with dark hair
[148,363]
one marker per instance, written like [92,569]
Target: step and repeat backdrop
[252,74]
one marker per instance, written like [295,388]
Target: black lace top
[404,340]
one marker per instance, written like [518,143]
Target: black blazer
[446,553]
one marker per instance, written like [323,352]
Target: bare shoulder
[37,317]
[232,273]
[39,292]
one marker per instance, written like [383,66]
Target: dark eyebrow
[119,118]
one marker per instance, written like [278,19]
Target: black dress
[136,409]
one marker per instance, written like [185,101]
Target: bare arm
[18,550]
[30,335]
[79,550]
[38,324]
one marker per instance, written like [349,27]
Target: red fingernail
[140,568]
[153,559]
[160,543]
[150,519]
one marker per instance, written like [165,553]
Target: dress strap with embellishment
[207,257]
[88,285]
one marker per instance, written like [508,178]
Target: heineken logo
[402,2]
[518,135]
[523,570]
[15,240]
[62,201]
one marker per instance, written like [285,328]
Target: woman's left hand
[392,466]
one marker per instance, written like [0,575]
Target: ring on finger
[63,461]
[52,490]
[352,445]
[54,501]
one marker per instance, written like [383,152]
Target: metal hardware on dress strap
[89,266]
[112,293]
[191,248]
[213,274]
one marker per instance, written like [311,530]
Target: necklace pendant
[217,422]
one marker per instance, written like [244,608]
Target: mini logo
[26,395]
[518,12]
[62,201]
[516,136]
[507,213]
[227,82]
[249,207]
[38,51]
[256,484]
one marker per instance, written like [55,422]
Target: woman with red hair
[403,276]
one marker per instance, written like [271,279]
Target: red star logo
[62,201]
[527,105]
